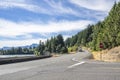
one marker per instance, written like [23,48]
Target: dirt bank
[112,55]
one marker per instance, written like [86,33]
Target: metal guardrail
[21,59]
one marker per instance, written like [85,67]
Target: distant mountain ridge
[26,46]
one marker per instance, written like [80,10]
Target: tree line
[54,45]
[106,32]
[18,50]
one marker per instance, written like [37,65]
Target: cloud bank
[99,5]
[23,22]
[11,29]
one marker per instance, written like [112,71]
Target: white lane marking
[73,59]
[77,64]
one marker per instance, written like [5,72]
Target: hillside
[102,38]
[115,50]
[106,32]
[112,55]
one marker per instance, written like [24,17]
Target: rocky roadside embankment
[112,55]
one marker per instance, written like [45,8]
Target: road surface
[66,67]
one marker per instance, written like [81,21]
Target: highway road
[66,67]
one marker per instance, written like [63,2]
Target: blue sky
[23,22]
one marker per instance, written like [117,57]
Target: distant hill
[30,46]
[27,46]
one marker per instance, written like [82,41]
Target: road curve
[66,67]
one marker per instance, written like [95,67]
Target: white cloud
[66,36]
[117,0]
[13,0]
[9,28]
[56,8]
[100,5]
[22,4]
[16,43]
[13,29]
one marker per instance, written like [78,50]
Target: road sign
[101,45]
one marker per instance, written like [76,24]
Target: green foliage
[106,32]
[54,45]
[18,50]
[64,50]
[73,49]
[40,49]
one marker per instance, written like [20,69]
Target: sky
[23,22]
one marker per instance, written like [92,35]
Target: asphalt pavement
[65,67]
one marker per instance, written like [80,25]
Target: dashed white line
[77,64]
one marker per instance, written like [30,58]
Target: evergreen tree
[106,32]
